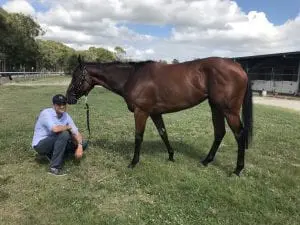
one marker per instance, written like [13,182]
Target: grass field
[102,190]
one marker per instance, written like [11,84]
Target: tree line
[25,51]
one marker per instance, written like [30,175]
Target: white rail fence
[6,77]
[26,75]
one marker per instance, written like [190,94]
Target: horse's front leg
[140,118]
[159,123]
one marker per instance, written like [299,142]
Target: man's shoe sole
[59,175]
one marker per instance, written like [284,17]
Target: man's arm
[60,128]
[77,136]
[46,119]
[79,150]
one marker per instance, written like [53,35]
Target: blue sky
[183,32]
[277,11]
[159,31]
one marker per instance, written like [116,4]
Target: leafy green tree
[18,39]
[72,62]
[3,30]
[97,55]
[53,56]
[163,61]
[175,61]
[120,53]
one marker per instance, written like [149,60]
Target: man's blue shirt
[46,121]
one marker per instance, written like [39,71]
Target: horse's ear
[80,61]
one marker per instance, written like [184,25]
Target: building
[277,73]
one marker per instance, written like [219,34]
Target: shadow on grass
[125,149]
[148,147]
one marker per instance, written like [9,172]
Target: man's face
[60,109]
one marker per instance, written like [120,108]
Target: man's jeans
[57,146]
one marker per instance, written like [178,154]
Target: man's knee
[65,135]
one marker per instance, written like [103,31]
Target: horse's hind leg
[219,131]
[140,124]
[159,123]
[234,121]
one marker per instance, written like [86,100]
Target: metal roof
[284,54]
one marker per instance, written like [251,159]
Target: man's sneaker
[85,145]
[56,172]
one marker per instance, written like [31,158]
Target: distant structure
[2,62]
[276,73]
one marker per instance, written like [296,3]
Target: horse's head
[81,83]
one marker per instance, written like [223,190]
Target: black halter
[77,88]
[82,78]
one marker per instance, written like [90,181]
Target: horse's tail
[247,115]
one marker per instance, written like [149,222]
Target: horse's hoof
[172,160]
[237,172]
[131,166]
[204,162]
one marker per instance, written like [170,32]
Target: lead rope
[87,118]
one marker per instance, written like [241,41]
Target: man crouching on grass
[55,135]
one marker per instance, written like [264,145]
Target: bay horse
[151,89]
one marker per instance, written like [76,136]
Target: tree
[18,33]
[18,40]
[98,55]
[3,29]
[54,56]
[163,61]
[72,62]
[120,53]
[175,61]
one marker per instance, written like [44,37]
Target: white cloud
[199,27]
[19,6]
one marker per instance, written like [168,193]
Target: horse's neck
[114,80]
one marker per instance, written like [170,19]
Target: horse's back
[200,72]
[161,88]
[221,80]
[158,87]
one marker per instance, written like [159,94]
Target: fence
[19,76]
[275,82]
[29,74]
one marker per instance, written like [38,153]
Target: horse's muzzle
[71,101]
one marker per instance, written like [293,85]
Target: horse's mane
[131,64]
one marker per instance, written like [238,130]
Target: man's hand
[69,127]
[79,152]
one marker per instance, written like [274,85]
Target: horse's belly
[175,102]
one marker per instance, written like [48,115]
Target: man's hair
[59,99]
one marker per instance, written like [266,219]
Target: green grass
[102,190]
